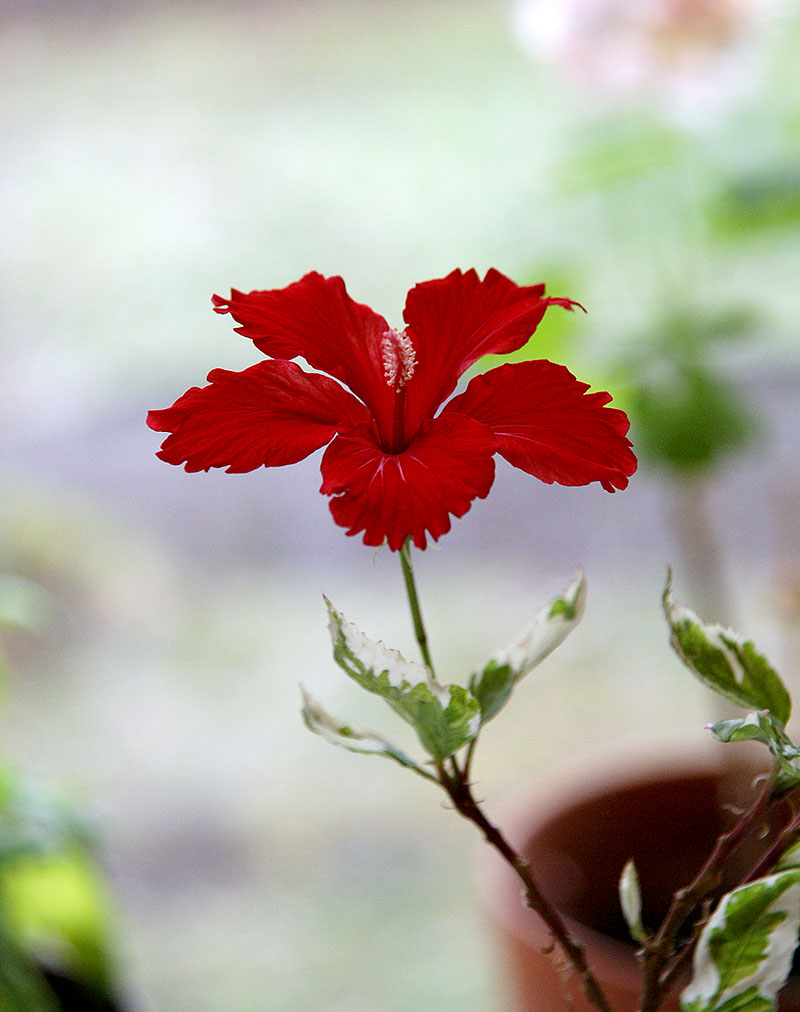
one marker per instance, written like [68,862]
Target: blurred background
[642,158]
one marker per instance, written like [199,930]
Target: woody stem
[464,802]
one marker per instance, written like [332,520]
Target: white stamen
[399,358]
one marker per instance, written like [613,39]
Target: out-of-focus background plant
[55,920]
[641,158]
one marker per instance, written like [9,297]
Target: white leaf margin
[630,900]
[343,735]
[548,630]
[703,993]
[376,656]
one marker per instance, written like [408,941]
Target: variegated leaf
[445,717]
[725,661]
[549,628]
[344,736]
[744,953]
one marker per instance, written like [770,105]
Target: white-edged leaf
[747,728]
[343,735]
[790,858]
[445,717]
[369,659]
[548,629]
[630,899]
[761,726]
[725,661]
[745,950]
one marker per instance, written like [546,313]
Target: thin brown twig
[776,848]
[460,794]
[658,953]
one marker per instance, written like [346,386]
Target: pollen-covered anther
[399,358]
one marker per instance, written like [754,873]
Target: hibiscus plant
[402,456]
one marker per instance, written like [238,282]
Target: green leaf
[763,727]
[687,418]
[548,629]
[22,985]
[445,717]
[759,202]
[630,899]
[745,950]
[344,736]
[790,858]
[52,895]
[740,729]
[61,896]
[725,662]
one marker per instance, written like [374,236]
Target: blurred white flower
[695,58]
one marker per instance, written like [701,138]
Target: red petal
[271,414]
[548,425]
[456,320]
[391,497]
[315,318]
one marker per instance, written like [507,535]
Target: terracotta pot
[578,833]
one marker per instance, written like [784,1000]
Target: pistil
[399,358]
[399,362]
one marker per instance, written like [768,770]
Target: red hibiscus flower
[394,467]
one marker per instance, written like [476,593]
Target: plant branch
[469,756]
[461,796]
[659,951]
[784,839]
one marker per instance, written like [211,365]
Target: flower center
[399,358]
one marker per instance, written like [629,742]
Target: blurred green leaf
[758,202]
[619,153]
[686,419]
[790,858]
[57,906]
[685,415]
[23,987]
[53,900]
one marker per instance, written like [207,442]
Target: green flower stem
[413,601]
